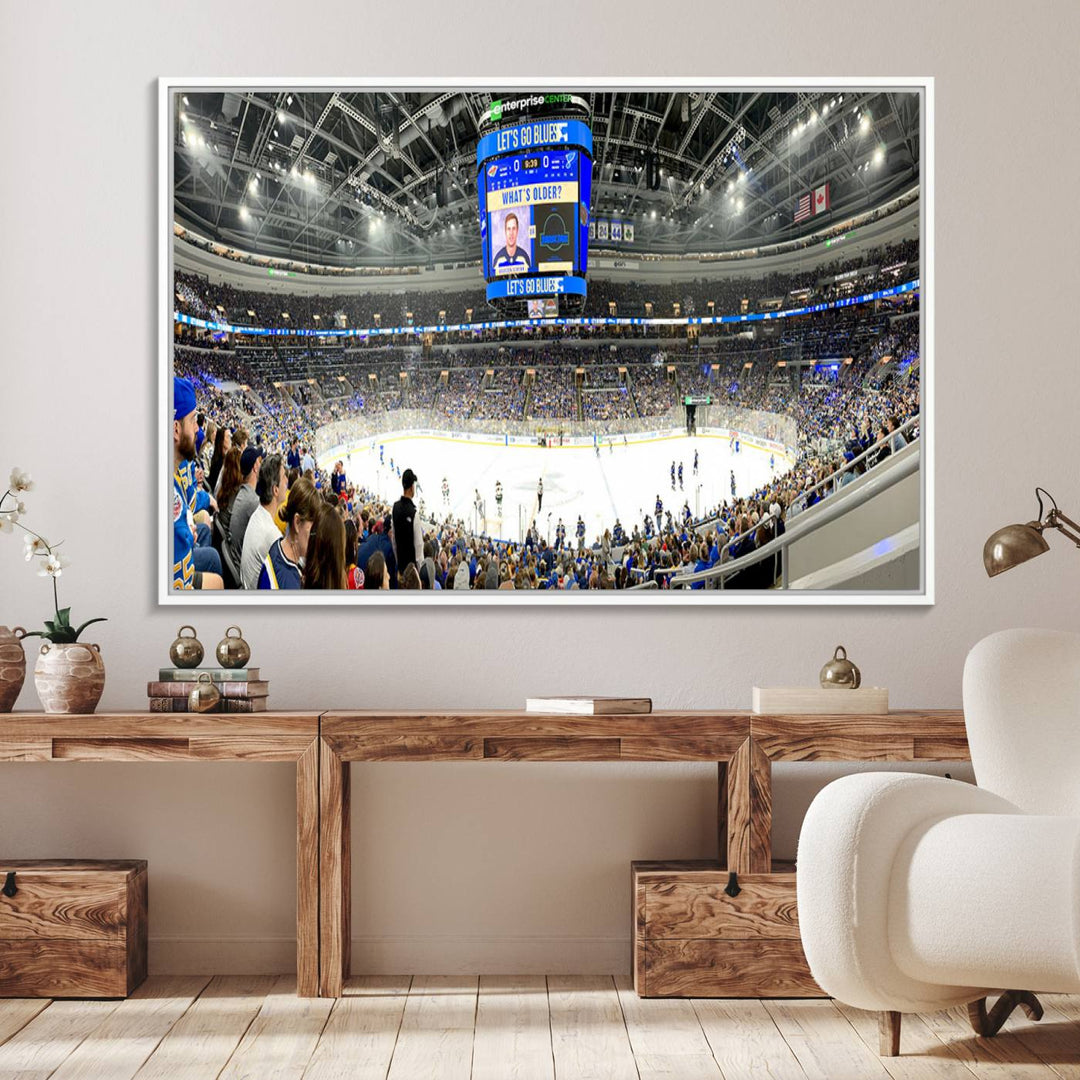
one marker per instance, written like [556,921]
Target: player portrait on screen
[514,256]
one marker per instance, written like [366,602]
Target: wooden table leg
[749,810]
[334,872]
[722,813]
[307,872]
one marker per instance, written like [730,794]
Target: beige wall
[515,866]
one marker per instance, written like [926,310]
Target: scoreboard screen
[534,184]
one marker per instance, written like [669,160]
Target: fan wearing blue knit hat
[185,576]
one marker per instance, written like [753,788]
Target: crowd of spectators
[260,405]
[890,264]
[554,395]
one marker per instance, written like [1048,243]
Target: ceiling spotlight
[742,178]
[244,215]
[879,155]
[739,205]
[288,101]
[281,116]
[186,102]
[253,184]
[864,122]
[183,118]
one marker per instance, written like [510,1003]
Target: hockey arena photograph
[562,342]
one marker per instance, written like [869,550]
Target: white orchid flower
[20,481]
[53,566]
[8,519]
[34,545]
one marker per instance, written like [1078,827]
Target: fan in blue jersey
[680,476]
[185,575]
[659,507]
[511,258]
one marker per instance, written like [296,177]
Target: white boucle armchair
[917,893]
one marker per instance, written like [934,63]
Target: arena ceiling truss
[358,177]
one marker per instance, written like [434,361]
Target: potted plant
[69,674]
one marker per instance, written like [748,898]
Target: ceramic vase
[12,666]
[69,678]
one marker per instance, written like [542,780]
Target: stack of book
[241,689]
[588,706]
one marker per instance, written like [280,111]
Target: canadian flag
[821,199]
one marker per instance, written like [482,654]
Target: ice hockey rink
[621,482]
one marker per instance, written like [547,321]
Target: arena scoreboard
[534,181]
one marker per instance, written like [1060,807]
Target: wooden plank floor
[523,1027]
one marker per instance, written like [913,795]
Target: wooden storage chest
[71,928]
[692,939]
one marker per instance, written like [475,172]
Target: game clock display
[534,207]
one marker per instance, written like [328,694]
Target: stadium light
[253,184]
[186,102]
[183,118]
[864,123]
[742,178]
[244,215]
[288,100]
[281,116]
[879,155]
[739,204]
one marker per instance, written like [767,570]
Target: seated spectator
[379,541]
[284,563]
[376,573]
[243,503]
[262,529]
[354,576]
[231,481]
[324,564]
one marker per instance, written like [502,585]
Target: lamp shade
[1012,545]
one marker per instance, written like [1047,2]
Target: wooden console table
[742,744]
[137,736]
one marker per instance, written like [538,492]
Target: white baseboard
[429,954]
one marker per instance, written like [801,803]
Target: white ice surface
[621,482]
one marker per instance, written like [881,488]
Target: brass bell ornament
[233,652]
[840,673]
[186,652]
[204,696]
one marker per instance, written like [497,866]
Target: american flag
[803,207]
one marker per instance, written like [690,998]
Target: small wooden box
[691,939]
[72,928]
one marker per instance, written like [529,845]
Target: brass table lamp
[1014,544]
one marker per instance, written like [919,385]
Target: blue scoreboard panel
[534,182]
